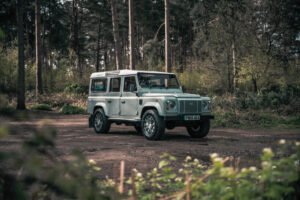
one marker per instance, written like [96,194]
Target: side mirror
[183,88]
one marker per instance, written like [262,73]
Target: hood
[177,95]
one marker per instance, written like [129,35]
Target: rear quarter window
[99,85]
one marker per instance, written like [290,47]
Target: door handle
[123,102]
[108,101]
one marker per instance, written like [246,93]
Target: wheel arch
[149,107]
[101,106]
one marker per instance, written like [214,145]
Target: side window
[129,84]
[99,85]
[115,85]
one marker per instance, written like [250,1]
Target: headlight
[206,106]
[170,105]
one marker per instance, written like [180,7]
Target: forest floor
[123,143]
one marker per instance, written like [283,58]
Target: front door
[129,99]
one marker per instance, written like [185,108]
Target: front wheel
[153,126]
[100,121]
[199,130]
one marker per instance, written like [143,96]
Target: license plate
[191,117]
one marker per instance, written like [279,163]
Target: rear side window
[99,85]
[115,85]
[129,84]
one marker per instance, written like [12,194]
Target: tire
[100,121]
[153,126]
[199,130]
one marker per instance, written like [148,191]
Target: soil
[124,143]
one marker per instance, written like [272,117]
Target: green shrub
[76,89]
[45,176]
[9,110]
[71,109]
[60,99]
[278,178]
[44,107]
[5,107]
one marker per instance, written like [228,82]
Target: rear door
[113,100]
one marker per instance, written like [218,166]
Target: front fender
[155,105]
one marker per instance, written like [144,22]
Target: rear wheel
[100,121]
[199,130]
[153,126]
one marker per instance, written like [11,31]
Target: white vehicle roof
[123,73]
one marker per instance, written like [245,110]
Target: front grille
[189,106]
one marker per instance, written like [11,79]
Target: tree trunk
[98,47]
[116,35]
[167,38]
[254,82]
[38,84]
[21,68]
[131,35]
[75,27]
[234,69]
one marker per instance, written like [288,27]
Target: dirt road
[123,143]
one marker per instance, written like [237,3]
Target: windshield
[161,81]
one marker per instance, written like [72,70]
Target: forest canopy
[225,46]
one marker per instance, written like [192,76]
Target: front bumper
[178,120]
[181,117]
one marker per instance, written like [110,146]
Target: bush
[5,108]
[71,109]
[276,179]
[45,176]
[76,89]
[44,107]
[60,99]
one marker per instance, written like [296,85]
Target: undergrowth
[38,172]
[44,107]
[71,109]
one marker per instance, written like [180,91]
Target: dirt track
[123,143]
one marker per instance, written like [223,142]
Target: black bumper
[181,117]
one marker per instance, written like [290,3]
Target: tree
[131,35]
[167,38]
[116,35]
[38,87]
[21,68]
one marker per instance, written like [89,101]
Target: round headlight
[206,105]
[170,104]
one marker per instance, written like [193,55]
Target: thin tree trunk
[98,47]
[131,36]
[21,67]
[234,69]
[167,38]
[254,82]
[38,84]
[116,35]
